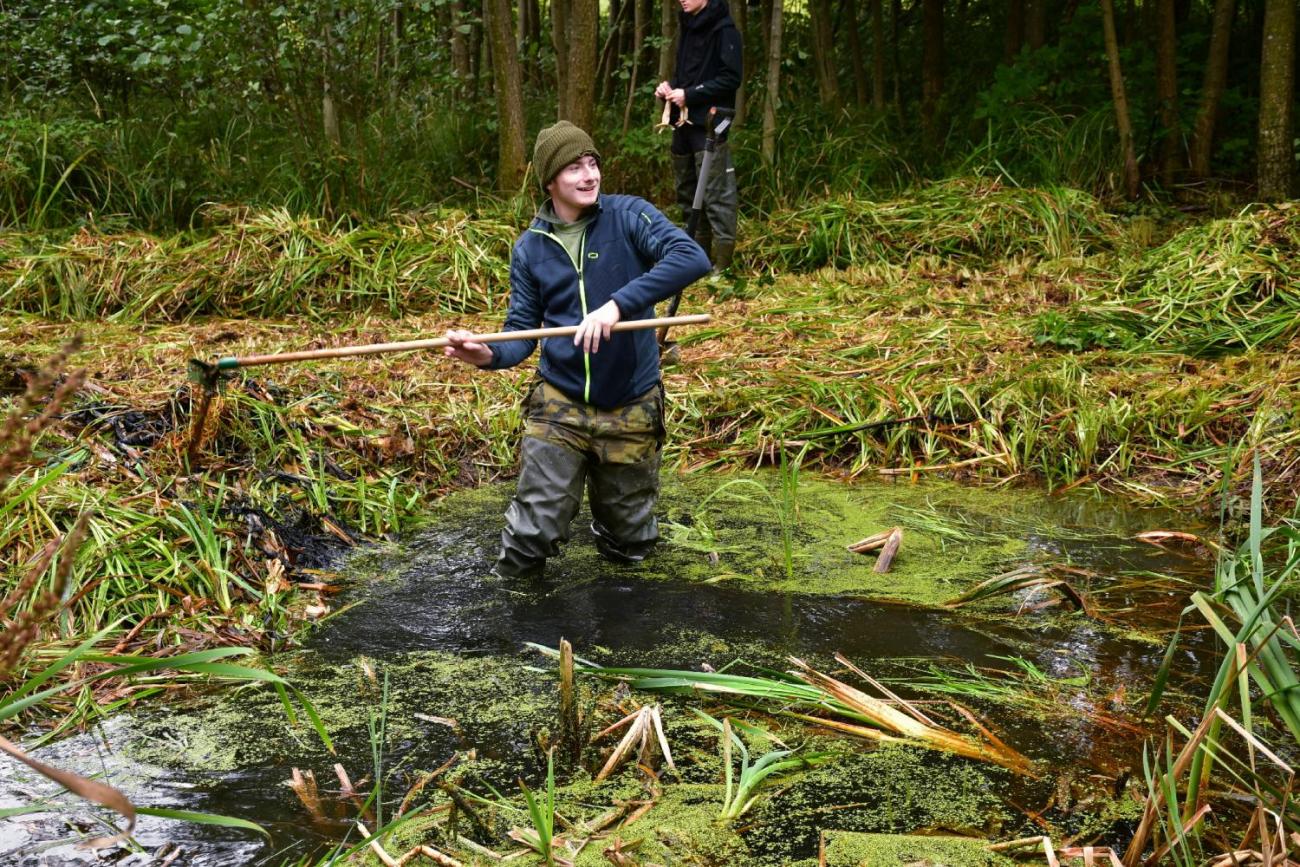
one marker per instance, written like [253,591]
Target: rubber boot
[670,354]
[623,498]
[546,499]
[704,237]
[723,252]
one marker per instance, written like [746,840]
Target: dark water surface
[436,594]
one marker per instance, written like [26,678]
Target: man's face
[577,185]
[690,7]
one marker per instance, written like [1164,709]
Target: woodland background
[139,113]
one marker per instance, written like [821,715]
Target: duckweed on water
[910,791]
[848,849]
[497,703]
[954,536]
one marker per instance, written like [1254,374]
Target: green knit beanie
[556,147]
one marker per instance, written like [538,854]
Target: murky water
[435,599]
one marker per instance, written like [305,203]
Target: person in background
[706,75]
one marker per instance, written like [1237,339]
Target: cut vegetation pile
[271,263]
[960,221]
[1228,285]
[261,265]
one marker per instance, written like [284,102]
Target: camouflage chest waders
[568,444]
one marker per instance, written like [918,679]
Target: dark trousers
[720,197]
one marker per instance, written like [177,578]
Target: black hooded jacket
[708,61]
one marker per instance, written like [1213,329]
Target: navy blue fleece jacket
[630,254]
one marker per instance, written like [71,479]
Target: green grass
[1247,613]
[742,783]
[541,812]
[806,694]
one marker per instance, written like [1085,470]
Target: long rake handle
[231,363]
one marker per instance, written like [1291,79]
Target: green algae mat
[779,531]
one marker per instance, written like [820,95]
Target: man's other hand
[596,326]
[675,95]
[461,346]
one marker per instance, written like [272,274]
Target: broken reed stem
[871,543]
[198,418]
[303,784]
[886,541]
[570,724]
[890,551]
[1156,798]
[424,780]
[86,789]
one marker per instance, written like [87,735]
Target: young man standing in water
[707,75]
[594,416]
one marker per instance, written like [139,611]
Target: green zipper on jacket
[582,298]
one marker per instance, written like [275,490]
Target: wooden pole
[438,342]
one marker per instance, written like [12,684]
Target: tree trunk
[476,46]
[765,25]
[560,13]
[481,52]
[740,15]
[828,87]
[395,26]
[583,19]
[667,38]
[772,97]
[329,114]
[1167,90]
[1035,24]
[1120,98]
[895,24]
[931,70]
[878,55]
[509,95]
[1216,76]
[860,84]
[523,47]
[1276,94]
[638,43]
[609,54]
[1015,33]
[459,46]
[530,37]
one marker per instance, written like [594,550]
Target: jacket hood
[706,18]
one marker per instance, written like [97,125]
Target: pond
[429,661]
